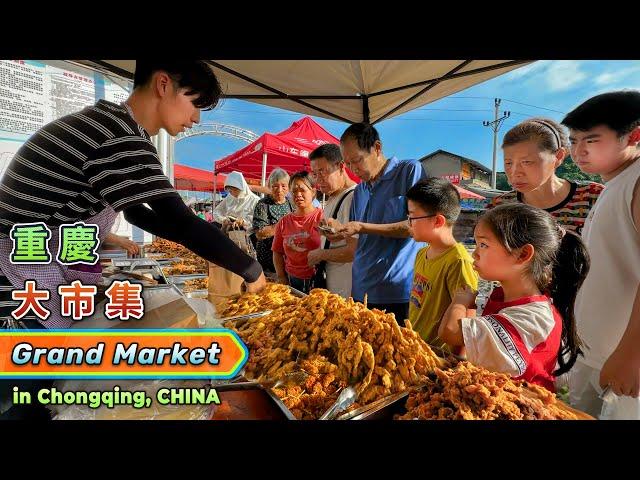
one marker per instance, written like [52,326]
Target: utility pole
[495,126]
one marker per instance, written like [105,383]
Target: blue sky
[546,88]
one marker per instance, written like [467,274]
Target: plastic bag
[156,411]
[206,312]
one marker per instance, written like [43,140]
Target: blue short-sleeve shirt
[383,266]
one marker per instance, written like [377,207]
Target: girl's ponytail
[569,271]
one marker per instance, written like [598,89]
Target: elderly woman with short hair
[266,215]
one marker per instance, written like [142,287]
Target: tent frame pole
[215,186]
[264,169]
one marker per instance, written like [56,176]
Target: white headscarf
[241,207]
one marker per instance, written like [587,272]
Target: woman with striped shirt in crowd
[533,150]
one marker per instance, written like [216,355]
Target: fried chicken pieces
[273,296]
[313,397]
[467,392]
[190,261]
[196,284]
[371,351]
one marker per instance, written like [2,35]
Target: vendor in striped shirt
[533,150]
[92,164]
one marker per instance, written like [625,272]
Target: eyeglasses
[411,219]
[322,172]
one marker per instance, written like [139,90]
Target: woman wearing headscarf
[236,210]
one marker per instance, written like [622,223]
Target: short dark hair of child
[436,195]
[620,111]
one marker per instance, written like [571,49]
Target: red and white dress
[520,337]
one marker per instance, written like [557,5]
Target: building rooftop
[468,160]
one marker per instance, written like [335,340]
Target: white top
[339,274]
[489,344]
[604,303]
[241,207]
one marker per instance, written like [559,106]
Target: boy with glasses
[442,267]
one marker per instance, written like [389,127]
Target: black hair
[304,176]
[620,111]
[194,75]
[436,195]
[329,151]
[549,135]
[559,265]
[364,133]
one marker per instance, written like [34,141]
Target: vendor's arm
[121,242]
[201,237]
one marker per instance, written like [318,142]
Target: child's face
[490,259]
[421,229]
[598,150]
[527,167]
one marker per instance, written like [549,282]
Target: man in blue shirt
[384,258]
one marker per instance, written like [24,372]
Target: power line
[514,101]
[534,106]
[456,109]
[435,119]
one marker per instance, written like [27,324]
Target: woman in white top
[239,204]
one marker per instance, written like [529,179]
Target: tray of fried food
[372,352]
[249,401]
[180,268]
[384,408]
[468,392]
[171,250]
[197,288]
[310,398]
[273,296]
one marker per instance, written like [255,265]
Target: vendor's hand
[349,229]
[283,280]
[257,286]
[132,248]
[466,296]
[314,257]
[621,372]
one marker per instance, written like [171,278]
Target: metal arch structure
[218,129]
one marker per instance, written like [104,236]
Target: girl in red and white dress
[527,327]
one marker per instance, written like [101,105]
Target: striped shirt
[572,211]
[73,167]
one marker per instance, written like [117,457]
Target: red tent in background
[288,150]
[464,193]
[195,179]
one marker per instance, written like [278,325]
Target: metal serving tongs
[295,378]
[344,401]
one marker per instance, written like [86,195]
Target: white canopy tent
[345,90]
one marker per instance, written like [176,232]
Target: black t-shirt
[73,167]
